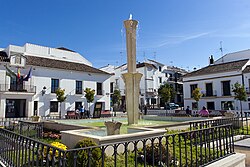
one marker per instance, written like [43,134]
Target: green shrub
[83,155]
[153,155]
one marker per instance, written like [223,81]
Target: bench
[105,113]
[72,115]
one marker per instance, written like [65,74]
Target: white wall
[67,80]
[216,80]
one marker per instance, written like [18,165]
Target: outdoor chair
[72,115]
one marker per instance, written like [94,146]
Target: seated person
[204,112]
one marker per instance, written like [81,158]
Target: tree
[240,94]
[60,96]
[197,95]
[166,92]
[116,98]
[89,95]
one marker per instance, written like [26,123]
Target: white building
[50,68]
[154,75]
[216,81]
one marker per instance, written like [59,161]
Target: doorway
[15,108]
[35,108]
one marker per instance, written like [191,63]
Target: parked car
[172,106]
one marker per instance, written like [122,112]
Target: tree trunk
[89,111]
[60,111]
[241,110]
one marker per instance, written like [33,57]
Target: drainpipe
[242,77]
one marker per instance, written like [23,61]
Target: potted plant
[35,118]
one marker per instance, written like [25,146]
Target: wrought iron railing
[240,125]
[193,148]
[4,122]
[17,88]
[27,128]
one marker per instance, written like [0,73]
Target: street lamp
[44,90]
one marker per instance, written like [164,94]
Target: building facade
[216,83]
[31,74]
[154,75]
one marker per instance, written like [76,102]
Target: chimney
[211,60]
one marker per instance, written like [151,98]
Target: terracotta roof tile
[217,68]
[59,64]
[4,57]
[247,69]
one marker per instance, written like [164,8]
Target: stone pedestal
[132,83]
[113,127]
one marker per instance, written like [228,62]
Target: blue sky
[182,33]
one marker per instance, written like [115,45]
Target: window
[54,106]
[194,106]
[159,68]
[171,77]
[78,87]
[192,88]
[209,89]
[99,88]
[210,106]
[54,85]
[226,88]
[153,100]
[160,80]
[166,74]
[112,87]
[227,105]
[18,60]
[78,105]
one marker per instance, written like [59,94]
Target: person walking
[145,109]
[188,111]
[81,112]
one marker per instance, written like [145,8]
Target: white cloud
[180,39]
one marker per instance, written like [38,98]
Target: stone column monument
[131,78]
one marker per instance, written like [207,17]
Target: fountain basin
[71,137]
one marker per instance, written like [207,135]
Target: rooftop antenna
[221,51]
[121,57]
[144,56]
[155,56]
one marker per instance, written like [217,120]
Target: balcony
[151,92]
[248,90]
[209,93]
[17,88]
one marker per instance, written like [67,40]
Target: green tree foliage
[60,96]
[116,98]
[166,92]
[197,94]
[240,94]
[89,94]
